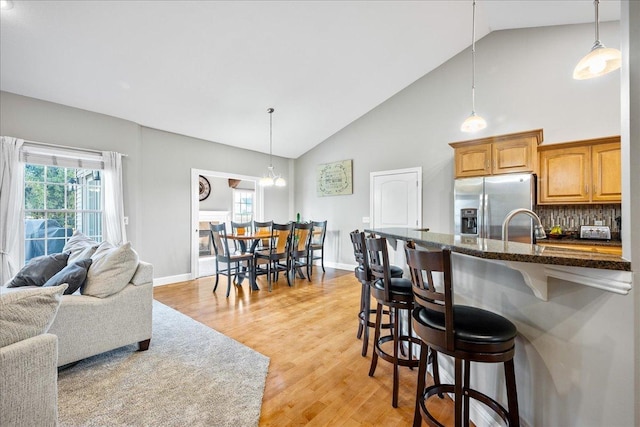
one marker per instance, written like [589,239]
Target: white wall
[157,171]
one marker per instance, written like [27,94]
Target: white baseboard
[339,266]
[159,281]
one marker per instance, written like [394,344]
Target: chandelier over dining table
[271,178]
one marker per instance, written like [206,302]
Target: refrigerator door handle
[481,219]
[485,215]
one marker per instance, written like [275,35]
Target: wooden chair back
[263,227]
[241,228]
[319,232]
[360,253]
[280,238]
[423,265]
[219,239]
[379,266]
[301,238]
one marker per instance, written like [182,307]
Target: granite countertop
[508,251]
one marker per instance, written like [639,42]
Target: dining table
[243,240]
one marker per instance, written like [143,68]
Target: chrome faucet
[538,230]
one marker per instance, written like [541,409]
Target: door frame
[373,175]
[195,208]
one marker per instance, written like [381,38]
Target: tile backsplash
[571,217]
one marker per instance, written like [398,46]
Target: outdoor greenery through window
[243,205]
[57,201]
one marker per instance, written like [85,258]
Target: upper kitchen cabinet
[495,155]
[580,172]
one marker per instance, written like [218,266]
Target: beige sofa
[28,357]
[88,325]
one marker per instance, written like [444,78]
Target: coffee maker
[469,221]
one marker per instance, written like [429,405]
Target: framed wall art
[334,179]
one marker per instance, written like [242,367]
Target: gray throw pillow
[39,269]
[25,313]
[74,274]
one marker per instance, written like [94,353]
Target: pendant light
[271,179]
[601,60]
[473,123]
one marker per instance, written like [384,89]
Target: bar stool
[468,334]
[363,274]
[395,293]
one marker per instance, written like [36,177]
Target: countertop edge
[521,252]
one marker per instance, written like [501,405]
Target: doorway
[396,201]
[220,214]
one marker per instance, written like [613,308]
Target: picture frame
[334,179]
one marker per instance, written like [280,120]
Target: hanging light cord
[596,3]
[473,60]
[270,111]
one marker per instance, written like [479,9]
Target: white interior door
[396,201]
[396,198]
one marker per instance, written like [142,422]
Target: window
[243,205]
[61,194]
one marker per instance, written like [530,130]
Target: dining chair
[262,227]
[241,229]
[233,260]
[300,249]
[276,257]
[317,243]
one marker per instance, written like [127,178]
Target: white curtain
[113,215]
[11,206]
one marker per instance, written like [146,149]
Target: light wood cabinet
[580,172]
[516,152]
[613,250]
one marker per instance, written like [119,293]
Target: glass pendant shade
[266,181]
[600,61]
[473,123]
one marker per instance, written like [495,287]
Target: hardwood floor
[317,376]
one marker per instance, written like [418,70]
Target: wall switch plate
[126,220]
[365,220]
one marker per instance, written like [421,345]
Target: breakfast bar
[599,270]
[574,333]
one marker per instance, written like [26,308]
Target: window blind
[38,154]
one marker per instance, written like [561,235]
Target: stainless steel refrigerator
[481,205]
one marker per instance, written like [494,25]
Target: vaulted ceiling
[210,69]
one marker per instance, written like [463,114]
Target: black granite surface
[507,251]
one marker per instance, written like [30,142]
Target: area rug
[190,376]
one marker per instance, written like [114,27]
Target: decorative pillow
[112,268]
[80,247]
[27,313]
[74,274]
[39,269]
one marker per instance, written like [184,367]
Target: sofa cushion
[80,247]
[74,274]
[38,270]
[26,313]
[112,268]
